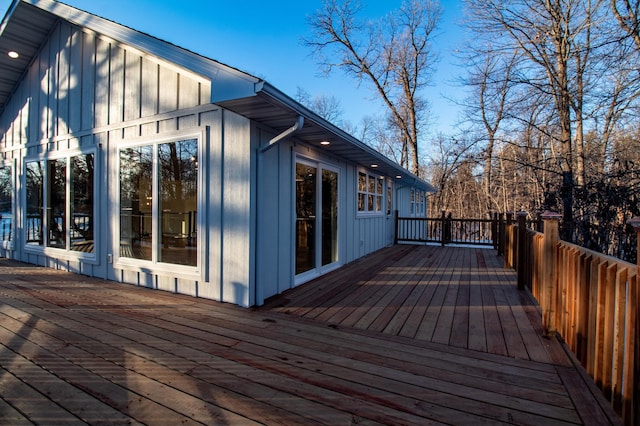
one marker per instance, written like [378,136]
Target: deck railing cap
[635,222]
[549,215]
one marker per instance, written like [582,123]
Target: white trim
[57,252]
[370,175]
[10,244]
[319,269]
[153,265]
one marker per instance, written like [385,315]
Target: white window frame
[388,196]
[418,201]
[378,182]
[58,252]
[186,271]
[9,245]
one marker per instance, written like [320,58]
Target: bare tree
[326,106]
[556,40]
[490,80]
[394,55]
[627,12]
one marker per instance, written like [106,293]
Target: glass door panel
[329,217]
[305,218]
[316,218]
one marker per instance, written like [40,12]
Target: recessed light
[398,177]
[13,54]
[325,143]
[373,166]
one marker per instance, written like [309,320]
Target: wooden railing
[591,300]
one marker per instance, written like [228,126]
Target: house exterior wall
[359,234]
[85,93]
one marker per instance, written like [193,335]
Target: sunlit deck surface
[408,335]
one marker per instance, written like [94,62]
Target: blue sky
[263,38]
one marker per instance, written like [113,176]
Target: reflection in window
[329,217]
[178,181]
[369,193]
[6,204]
[81,193]
[136,202]
[56,202]
[418,203]
[35,202]
[69,185]
[166,232]
[389,196]
[306,186]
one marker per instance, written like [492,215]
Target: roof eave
[382,161]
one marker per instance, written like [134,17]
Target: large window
[418,203]
[6,203]
[60,203]
[57,202]
[81,193]
[35,203]
[369,193]
[158,202]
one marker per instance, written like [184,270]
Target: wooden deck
[367,344]
[461,297]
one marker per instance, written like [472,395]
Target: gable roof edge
[226,82]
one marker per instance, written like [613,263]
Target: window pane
[361,199]
[362,182]
[378,203]
[372,184]
[81,192]
[370,202]
[379,186]
[389,198]
[57,203]
[178,209]
[136,202]
[6,204]
[35,202]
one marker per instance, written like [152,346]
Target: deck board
[344,349]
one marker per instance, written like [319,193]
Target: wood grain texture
[74,349]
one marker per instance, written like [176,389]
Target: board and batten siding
[80,81]
[86,91]
[359,235]
[227,223]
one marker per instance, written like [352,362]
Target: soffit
[273,110]
[24,29]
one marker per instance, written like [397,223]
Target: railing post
[397,224]
[508,242]
[494,229]
[501,234]
[522,235]
[632,414]
[549,272]
[443,229]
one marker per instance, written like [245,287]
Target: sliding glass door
[316,218]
